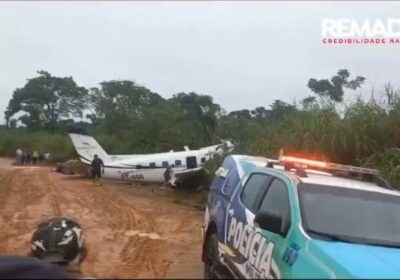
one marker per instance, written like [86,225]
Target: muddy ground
[132,231]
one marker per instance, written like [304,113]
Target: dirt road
[131,231]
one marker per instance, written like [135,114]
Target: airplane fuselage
[151,168]
[146,167]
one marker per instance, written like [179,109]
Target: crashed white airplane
[147,167]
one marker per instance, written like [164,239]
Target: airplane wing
[75,167]
[188,176]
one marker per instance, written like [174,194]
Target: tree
[240,114]
[45,100]
[261,113]
[333,89]
[118,104]
[280,108]
[202,111]
[308,102]
[245,132]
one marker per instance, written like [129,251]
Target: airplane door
[191,162]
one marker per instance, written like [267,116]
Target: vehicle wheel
[212,261]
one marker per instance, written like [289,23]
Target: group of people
[57,250]
[26,157]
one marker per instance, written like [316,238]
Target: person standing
[167,175]
[18,155]
[35,156]
[41,157]
[28,159]
[97,169]
[23,157]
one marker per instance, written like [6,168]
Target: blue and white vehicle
[286,219]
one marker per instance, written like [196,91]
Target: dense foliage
[128,118]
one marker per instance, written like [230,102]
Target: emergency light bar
[303,161]
[325,166]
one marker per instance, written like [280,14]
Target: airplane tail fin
[86,146]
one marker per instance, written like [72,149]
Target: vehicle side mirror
[270,221]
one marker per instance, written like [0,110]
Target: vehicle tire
[211,262]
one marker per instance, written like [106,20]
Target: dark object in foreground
[29,268]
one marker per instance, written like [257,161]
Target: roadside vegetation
[128,118]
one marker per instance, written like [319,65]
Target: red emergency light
[305,163]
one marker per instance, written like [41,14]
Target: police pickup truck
[300,218]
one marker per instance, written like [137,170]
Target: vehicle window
[354,215]
[277,200]
[165,163]
[255,186]
[231,182]
[178,162]
[152,164]
[203,160]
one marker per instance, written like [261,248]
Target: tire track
[5,188]
[56,204]
[140,255]
[20,195]
[130,232]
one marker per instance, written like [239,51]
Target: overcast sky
[244,54]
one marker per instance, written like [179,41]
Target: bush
[388,162]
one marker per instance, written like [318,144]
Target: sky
[243,54]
